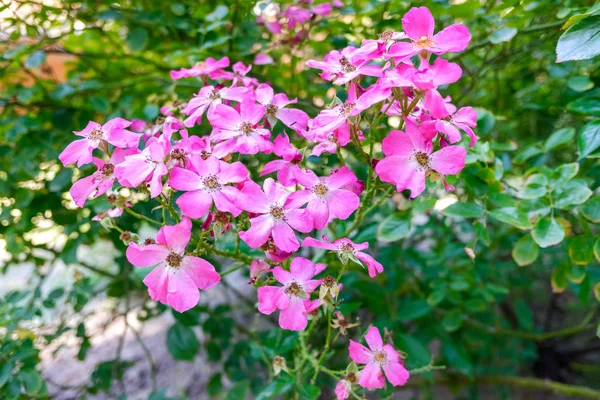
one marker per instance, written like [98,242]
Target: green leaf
[581,41]
[5,372]
[547,232]
[137,38]
[393,228]
[151,111]
[467,210]
[585,106]
[62,90]
[591,209]
[485,121]
[597,249]
[525,251]
[36,59]
[534,188]
[572,194]
[563,174]
[284,383]
[100,104]
[182,342]
[61,180]
[580,83]
[527,153]
[559,137]
[581,249]
[178,9]
[452,320]
[457,358]
[214,385]
[503,35]
[309,392]
[482,232]
[524,314]
[32,380]
[412,309]
[238,391]
[436,297]
[219,13]
[589,139]
[512,216]
[418,354]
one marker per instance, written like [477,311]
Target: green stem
[142,217]
[230,270]
[528,383]
[325,349]
[535,336]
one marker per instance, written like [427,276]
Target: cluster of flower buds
[206,180]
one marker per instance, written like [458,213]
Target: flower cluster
[290,23]
[207,177]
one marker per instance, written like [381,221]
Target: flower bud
[329,287]
[279,364]
[107,222]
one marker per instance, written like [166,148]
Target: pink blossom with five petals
[94,134]
[277,219]
[326,196]
[410,158]
[378,357]
[205,182]
[177,277]
[293,297]
[346,248]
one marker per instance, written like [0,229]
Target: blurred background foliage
[501,286]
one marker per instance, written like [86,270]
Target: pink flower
[329,142]
[113,132]
[240,129]
[290,298]
[322,9]
[208,98]
[201,146]
[205,183]
[296,15]
[110,213]
[447,120]
[263,59]
[257,267]
[410,159]
[377,357]
[238,75]
[147,165]
[285,168]
[274,107]
[326,196]
[342,389]
[202,68]
[276,217]
[330,120]
[177,277]
[101,180]
[426,77]
[347,64]
[273,253]
[418,25]
[138,125]
[347,249]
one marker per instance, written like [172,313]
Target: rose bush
[357,189]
